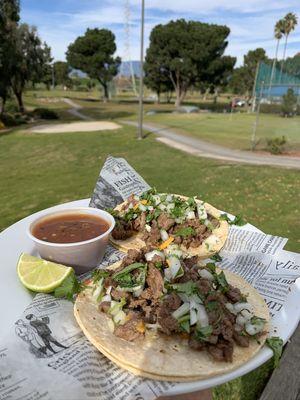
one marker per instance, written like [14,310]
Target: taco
[161,219]
[162,315]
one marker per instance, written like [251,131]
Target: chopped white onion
[107,297]
[230,308]
[253,329]
[240,320]
[202,214]
[193,316]
[173,250]
[149,256]
[162,207]
[238,307]
[174,268]
[164,235]
[142,207]
[181,311]
[156,199]
[190,215]
[169,198]
[202,316]
[148,228]
[206,274]
[120,318]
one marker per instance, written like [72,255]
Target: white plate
[14,298]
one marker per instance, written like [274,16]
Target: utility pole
[255,125]
[140,126]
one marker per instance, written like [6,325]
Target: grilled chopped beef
[172,302]
[222,351]
[118,294]
[240,339]
[131,257]
[140,222]
[137,303]
[226,329]
[130,330]
[122,230]
[155,281]
[165,319]
[190,262]
[104,306]
[165,221]
[204,286]
[196,344]
[234,294]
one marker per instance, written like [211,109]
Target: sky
[251,22]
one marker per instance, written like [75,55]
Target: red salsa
[69,228]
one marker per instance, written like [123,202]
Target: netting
[274,83]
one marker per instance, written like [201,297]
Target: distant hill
[124,69]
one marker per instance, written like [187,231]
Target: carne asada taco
[163,316]
[161,219]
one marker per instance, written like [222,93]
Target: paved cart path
[202,148]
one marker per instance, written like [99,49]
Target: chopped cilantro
[212,305]
[222,281]
[131,214]
[69,287]
[112,212]
[185,325]
[148,194]
[98,274]
[191,202]
[276,344]
[159,265]
[216,257]
[125,279]
[211,267]
[188,287]
[153,215]
[238,220]
[203,333]
[185,232]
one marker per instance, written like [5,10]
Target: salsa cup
[82,256]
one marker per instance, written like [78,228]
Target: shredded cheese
[140,327]
[166,243]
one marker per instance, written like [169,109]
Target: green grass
[55,168]
[233,130]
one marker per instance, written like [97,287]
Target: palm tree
[278,33]
[290,22]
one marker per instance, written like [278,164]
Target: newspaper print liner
[221,232]
[162,357]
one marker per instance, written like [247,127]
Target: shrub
[44,113]
[13,119]
[276,145]
[289,103]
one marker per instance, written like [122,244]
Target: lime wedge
[40,275]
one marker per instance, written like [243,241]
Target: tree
[289,103]
[185,50]
[9,17]
[244,77]
[290,22]
[292,65]
[61,73]
[30,59]
[93,54]
[278,33]
[156,78]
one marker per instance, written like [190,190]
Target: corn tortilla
[203,251]
[162,357]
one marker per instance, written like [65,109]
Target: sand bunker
[77,127]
